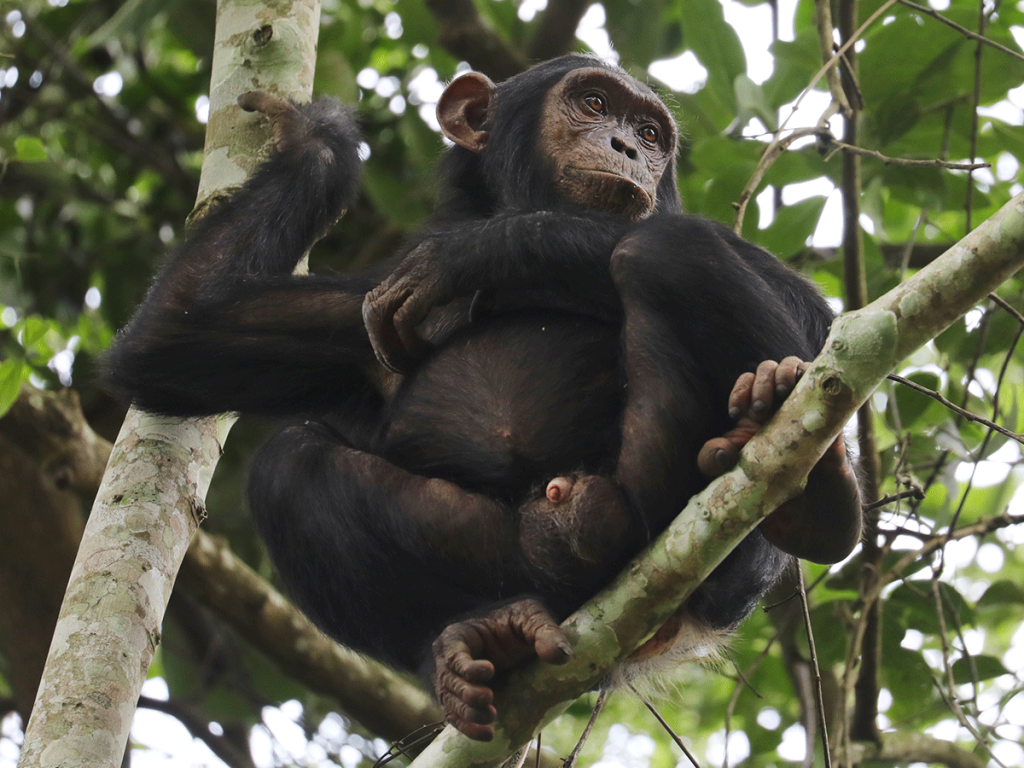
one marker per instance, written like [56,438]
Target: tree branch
[375,696]
[151,500]
[914,748]
[51,429]
[556,32]
[464,35]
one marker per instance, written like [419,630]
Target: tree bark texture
[151,500]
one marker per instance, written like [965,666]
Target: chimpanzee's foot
[823,523]
[579,525]
[469,653]
[754,399]
[321,127]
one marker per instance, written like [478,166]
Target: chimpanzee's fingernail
[734,413]
[760,406]
[722,459]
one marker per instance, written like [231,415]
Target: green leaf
[789,230]
[1003,592]
[30,149]
[909,677]
[915,603]
[970,669]
[11,372]
[911,403]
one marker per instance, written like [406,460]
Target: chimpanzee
[487,427]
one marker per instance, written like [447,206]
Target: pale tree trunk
[152,497]
[863,348]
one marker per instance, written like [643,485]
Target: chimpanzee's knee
[665,253]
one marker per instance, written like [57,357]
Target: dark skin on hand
[481,432]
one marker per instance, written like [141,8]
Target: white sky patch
[683,73]
[591,31]
[738,748]
[769,718]
[756,23]
[109,84]
[167,743]
[203,109]
[368,78]
[794,745]
[531,8]
[1007,167]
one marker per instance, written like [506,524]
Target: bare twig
[819,697]
[839,53]
[956,408]
[975,102]
[927,163]
[771,154]
[951,698]
[1007,306]
[411,744]
[823,21]
[602,699]
[913,493]
[667,727]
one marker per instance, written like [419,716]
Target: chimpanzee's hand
[754,399]
[393,309]
[469,653]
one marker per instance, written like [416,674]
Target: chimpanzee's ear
[462,110]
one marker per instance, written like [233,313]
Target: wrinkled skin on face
[609,139]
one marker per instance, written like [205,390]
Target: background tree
[101,110]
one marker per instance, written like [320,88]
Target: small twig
[962,30]
[602,699]
[770,155]
[929,163]
[666,726]
[956,408]
[836,56]
[818,695]
[913,493]
[951,700]
[1006,305]
[823,22]
[413,740]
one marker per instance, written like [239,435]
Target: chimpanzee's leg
[702,308]
[383,560]
[226,326]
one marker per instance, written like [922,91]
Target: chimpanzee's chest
[512,401]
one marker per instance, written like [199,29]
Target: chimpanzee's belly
[510,402]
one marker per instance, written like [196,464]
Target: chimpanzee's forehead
[613,79]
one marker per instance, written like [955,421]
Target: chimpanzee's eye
[649,133]
[596,102]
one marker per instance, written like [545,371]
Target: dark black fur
[533,389]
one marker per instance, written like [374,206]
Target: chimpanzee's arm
[226,326]
[561,250]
